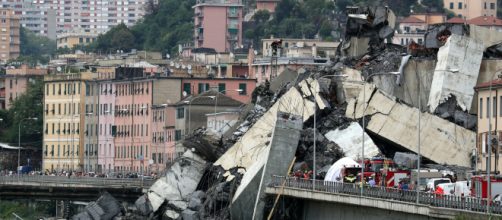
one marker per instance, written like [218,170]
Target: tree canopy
[35,48]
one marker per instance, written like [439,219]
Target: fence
[88,181]
[429,199]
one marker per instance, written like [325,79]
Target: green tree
[35,48]
[27,105]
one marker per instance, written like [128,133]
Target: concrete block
[189,215]
[350,140]
[441,141]
[456,72]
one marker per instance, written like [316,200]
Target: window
[488,107]
[187,88]
[480,108]
[221,87]
[500,107]
[451,5]
[485,5]
[203,87]
[460,5]
[492,6]
[177,135]
[494,113]
[180,113]
[242,87]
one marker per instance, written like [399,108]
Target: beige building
[64,107]
[72,39]
[469,9]
[9,35]
[300,47]
[489,110]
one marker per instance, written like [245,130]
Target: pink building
[229,86]
[132,111]
[218,24]
[106,149]
[16,81]
[163,144]
[268,5]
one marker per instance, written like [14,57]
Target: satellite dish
[58,69]
[183,66]
[232,55]
[177,65]
[189,66]
[255,52]
[184,94]
[208,67]
[168,56]
[190,72]
[171,63]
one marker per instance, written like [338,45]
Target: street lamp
[216,103]
[19,144]
[190,108]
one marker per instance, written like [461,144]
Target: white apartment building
[51,17]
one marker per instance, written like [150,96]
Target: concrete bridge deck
[402,204]
[83,188]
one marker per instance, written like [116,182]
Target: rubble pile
[225,178]
[105,208]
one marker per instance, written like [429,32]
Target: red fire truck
[479,186]
[384,171]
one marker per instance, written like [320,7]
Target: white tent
[334,173]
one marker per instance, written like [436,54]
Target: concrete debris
[105,208]
[190,215]
[350,141]
[177,205]
[456,72]
[406,160]
[366,30]
[143,205]
[171,215]
[441,140]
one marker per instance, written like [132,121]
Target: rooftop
[485,85]
[412,20]
[222,99]
[485,21]
[456,20]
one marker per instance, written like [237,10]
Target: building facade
[268,5]
[489,112]
[9,35]
[57,16]
[16,82]
[64,104]
[239,89]
[72,39]
[218,24]
[469,9]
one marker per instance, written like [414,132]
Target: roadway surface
[74,188]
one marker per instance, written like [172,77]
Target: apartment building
[268,5]
[105,113]
[489,112]
[57,16]
[469,9]
[9,35]
[218,24]
[64,120]
[72,39]
[16,82]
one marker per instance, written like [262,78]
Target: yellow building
[64,116]
[9,35]
[70,40]
[489,112]
[469,9]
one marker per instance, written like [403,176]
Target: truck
[24,169]
[479,186]
[384,171]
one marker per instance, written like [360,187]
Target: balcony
[232,37]
[199,14]
[233,15]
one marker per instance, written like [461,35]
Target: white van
[448,188]
[433,182]
[462,188]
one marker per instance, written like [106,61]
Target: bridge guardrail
[91,181]
[473,204]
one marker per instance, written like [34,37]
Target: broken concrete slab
[441,141]
[178,205]
[143,205]
[189,215]
[456,72]
[180,182]
[171,215]
[253,145]
[281,153]
[350,140]
[105,208]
